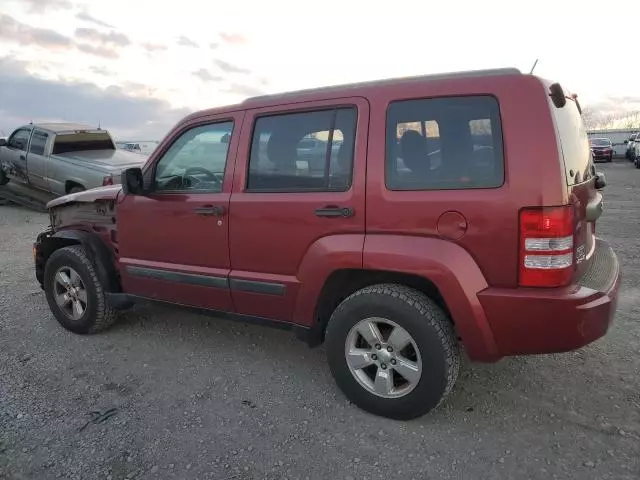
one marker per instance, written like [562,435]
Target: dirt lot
[200,398]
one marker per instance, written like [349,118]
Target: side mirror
[132,181]
[601,181]
[626,141]
[3,142]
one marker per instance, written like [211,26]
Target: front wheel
[74,293]
[3,177]
[392,351]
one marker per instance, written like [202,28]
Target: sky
[138,67]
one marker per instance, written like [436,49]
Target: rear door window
[38,142]
[444,143]
[574,142]
[303,151]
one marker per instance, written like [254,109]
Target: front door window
[196,161]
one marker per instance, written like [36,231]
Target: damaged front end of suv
[86,219]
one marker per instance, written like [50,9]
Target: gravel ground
[199,398]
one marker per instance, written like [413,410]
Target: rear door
[580,175]
[284,209]
[37,165]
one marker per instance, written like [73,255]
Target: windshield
[600,142]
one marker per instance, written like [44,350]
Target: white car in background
[631,146]
[143,148]
[636,151]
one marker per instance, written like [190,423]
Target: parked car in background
[131,147]
[618,137]
[630,154]
[636,152]
[144,148]
[62,158]
[601,149]
[430,232]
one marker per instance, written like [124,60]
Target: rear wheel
[76,189]
[74,293]
[392,351]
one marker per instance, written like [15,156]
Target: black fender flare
[100,254]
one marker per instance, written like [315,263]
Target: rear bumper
[533,321]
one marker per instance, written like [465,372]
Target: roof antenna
[534,66]
[99,124]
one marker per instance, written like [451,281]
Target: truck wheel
[76,189]
[3,178]
[392,351]
[74,293]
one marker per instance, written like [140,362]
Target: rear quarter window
[444,143]
[38,142]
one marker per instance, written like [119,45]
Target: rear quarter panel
[451,269]
[60,170]
[533,175]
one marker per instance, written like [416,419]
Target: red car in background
[602,149]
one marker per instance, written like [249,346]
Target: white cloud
[335,41]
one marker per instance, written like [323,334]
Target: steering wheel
[209,176]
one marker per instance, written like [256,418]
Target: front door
[174,241]
[15,155]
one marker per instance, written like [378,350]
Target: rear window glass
[444,143]
[574,142]
[84,141]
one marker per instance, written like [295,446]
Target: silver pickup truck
[62,158]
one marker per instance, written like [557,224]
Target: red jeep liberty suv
[400,221]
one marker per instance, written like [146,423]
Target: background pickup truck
[62,158]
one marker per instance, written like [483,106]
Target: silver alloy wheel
[70,293]
[383,357]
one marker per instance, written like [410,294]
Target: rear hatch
[580,177]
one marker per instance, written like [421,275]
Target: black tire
[76,189]
[610,158]
[426,323]
[3,178]
[98,314]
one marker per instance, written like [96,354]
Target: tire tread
[106,315]
[432,314]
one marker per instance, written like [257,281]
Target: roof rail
[370,83]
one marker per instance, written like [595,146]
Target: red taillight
[107,181]
[546,246]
